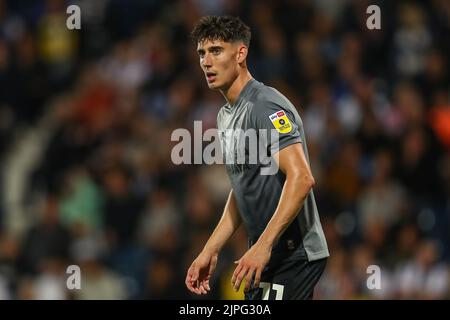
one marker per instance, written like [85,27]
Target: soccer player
[287,248]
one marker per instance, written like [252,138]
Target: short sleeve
[279,123]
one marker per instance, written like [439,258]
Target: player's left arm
[299,180]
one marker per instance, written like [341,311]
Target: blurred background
[85,123]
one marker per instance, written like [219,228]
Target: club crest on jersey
[281,122]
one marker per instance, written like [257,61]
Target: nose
[206,61]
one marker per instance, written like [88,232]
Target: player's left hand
[252,263]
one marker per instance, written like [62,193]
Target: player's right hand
[200,272]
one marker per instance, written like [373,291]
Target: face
[220,61]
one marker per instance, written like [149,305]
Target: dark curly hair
[225,28]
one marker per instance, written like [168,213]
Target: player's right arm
[201,270]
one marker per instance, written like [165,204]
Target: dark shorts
[288,277]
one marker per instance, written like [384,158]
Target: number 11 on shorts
[266,290]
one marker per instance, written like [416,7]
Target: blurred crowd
[86,118]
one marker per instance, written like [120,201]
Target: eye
[216,51]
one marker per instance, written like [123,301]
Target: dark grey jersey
[263,110]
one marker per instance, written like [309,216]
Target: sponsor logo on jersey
[281,122]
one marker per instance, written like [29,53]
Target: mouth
[211,76]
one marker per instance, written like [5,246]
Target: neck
[232,92]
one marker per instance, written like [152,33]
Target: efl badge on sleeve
[281,122]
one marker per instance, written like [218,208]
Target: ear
[242,53]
